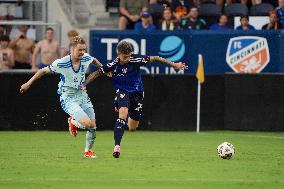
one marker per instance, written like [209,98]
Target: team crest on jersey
[124,70]
[248,54]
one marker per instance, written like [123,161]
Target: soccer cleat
[72,128]
[90,154]
[116,151]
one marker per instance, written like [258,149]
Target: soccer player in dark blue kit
[126,78]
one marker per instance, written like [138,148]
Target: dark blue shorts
[133,101]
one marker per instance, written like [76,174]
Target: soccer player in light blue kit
[75,102]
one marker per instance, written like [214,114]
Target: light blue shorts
[77,105]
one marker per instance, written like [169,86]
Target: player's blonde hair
[77,40]
[72,33]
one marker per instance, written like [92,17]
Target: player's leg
[132,124]
[135,110]
[87,106]
[121,102]
[91,132]
[78,119]
[88,124]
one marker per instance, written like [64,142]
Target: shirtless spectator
[6,54]
[130,12]
[48,49]
[23,48]
[70,35]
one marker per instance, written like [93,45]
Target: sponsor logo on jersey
[248,54]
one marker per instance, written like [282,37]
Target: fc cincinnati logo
[248,54]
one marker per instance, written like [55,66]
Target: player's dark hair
[124,47]
[77,40]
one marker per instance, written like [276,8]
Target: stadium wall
[230,101]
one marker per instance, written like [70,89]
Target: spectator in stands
[130,12]
[6,54]
[48,49]
[70,35]
[280,12]
[273,22]
[156,9]
[194,22]
[167,23]
[145,24]
[245,26]
[23,48]
[222,24]
[180,9]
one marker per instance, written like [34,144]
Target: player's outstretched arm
[177,66]
[37,75]
[90,78]
[97,63]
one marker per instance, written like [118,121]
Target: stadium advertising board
[235,51]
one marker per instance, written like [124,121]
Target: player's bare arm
[178,66]
[38,75]
[97,63]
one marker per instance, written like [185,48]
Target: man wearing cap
[145,24]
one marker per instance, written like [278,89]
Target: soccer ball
[226,150]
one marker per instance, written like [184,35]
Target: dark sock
[119,130]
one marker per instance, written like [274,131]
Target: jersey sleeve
[87,59]
[108,67]
[54,67]
[141,60]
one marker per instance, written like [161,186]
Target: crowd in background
[22,52]
[148,15]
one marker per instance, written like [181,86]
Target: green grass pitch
[149,160]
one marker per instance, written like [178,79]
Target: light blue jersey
[71,79]
[74,101]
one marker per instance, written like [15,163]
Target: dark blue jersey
[127,77]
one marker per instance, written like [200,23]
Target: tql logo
[172,48]
[248,54]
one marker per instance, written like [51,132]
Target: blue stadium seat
[209,9]
[156,10]
[236,9]
[210,13]
[261,9]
